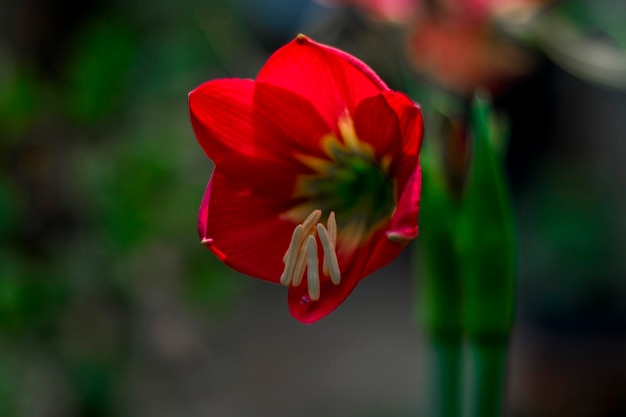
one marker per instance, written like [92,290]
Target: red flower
[317,139]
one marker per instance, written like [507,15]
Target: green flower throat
[351,182]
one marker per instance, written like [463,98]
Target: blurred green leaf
[485,235]
[18,100]
[9,389]
[440,280]
[98,70]
[209,284]
[94,383]
[30,295]
[7,209]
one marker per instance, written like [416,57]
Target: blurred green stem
[444,354]
[440,287]
[440,302]
[487,249]
[488,363]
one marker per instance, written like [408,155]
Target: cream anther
[331,265]
[332,227]
[291,256]
[302,254]
[313,279]
[309,222]
[299,271]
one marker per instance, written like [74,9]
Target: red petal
[252,131]
[403,227]
[242,227]
[307,311]
[379,252]
[376,123]
[221,116]
[240,124]
[330,79]
[412,127]
[203,213]
[411,121]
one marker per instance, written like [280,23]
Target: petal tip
[301,38]
[404,237]
[207,242]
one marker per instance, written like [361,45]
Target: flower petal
[379,252]
[412,127]
[411,121]
[242,123]
[330,79]
[242,227]
[403,227]
[376,123]
[302,308]
[221,116]
[252,131]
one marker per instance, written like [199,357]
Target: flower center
[302,254]
[351,181]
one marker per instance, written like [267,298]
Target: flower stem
[443,354]
[488,363]
[439,294]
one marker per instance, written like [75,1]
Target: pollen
[302,254]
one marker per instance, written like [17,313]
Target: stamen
[331,265]
[313,269]
[302,254]
[299,270]
[290,256]
[309,222]
[332,228]
[294,243]
[346,128]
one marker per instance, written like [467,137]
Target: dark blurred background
[110,307]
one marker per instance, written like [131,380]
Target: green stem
[443,355]
[486,388]
[440,299]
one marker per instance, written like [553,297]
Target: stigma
[302,254]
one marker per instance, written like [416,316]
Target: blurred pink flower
[395,11]
[463,54]
[454,44]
